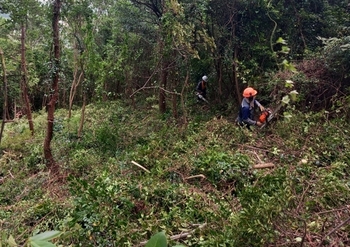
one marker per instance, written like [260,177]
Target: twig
[304,235]
[11,174]
[252,147]
[334,229]
[149,78]
[140,166]
[334,210]
[178,236]
[185,234]
[257,156]
[303,196]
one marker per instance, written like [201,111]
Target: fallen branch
[263,165]
[185,234]
[252,147]
[140,166]
[196,176]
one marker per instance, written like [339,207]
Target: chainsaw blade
[271,116]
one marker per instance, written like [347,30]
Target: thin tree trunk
[174,100]
[82,119]
[51,164]
[238,91]
[163,82]
[4,89]
[73,90]
[162,87]
[163,77]
[220,78]
[24,81]
[235,57]
[183,100]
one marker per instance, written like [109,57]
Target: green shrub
[261,204]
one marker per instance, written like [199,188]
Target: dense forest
[103,142]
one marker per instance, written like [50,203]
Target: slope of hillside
[133,174]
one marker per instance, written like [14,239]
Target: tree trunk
[24,81]
[162,88]
[174,100]
[238,91]
[5,107]
[73,89]
[184,114]
[82,119]
[220,79]
[235,56]
[51,164]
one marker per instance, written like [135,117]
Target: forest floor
[204,183]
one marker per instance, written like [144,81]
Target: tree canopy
[116,83]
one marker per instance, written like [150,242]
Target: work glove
[262,108]
[259,124]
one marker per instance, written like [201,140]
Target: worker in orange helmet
[249,103]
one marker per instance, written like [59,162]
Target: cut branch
[196,176]
[140,166]
[264,165]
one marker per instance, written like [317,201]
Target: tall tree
[157,7]
[79,32]
[19,12]
[24,79]
[54,87]
[180,34]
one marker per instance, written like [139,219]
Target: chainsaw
[201,97]
[267,115]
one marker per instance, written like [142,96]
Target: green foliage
[261,204]
[201,179]
[158,240]
[39,240]
[200,173]
[102,210]
[224,168]
[337,55]
[17,136]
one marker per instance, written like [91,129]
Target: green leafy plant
[159,240]
[39,240]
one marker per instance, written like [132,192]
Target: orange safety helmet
[249,92]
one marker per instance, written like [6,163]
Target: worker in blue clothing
[248,105]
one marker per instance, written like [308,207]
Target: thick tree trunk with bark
[54,96]
[24,81]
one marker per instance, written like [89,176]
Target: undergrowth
[132,174]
